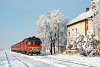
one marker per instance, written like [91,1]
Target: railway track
[21,61]
[8,60]
[69,63]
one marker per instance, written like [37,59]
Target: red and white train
[31,45]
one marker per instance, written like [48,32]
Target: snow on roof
[81,17]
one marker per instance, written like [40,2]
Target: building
[82,23]
[87,21]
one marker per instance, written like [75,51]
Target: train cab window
[36,42]
[33,42]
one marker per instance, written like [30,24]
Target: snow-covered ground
[12,59]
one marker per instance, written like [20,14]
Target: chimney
[87,9]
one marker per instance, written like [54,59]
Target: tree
[96,6]
[52,23]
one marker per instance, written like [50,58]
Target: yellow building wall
[80,26]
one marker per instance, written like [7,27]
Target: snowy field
[12,59]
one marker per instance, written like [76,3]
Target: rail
[8,60]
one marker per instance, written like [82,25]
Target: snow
[81,17]
[22,62]
[45,60]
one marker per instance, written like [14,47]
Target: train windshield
[34,42]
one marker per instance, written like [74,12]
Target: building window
[69,33]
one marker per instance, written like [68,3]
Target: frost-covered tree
[96,6]
[88,47]
[50,24]
[96,16]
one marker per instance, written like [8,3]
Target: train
[29,46]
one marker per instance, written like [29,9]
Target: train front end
[34,46]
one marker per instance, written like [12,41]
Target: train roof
[16,44]
[27,39]
[31,38]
